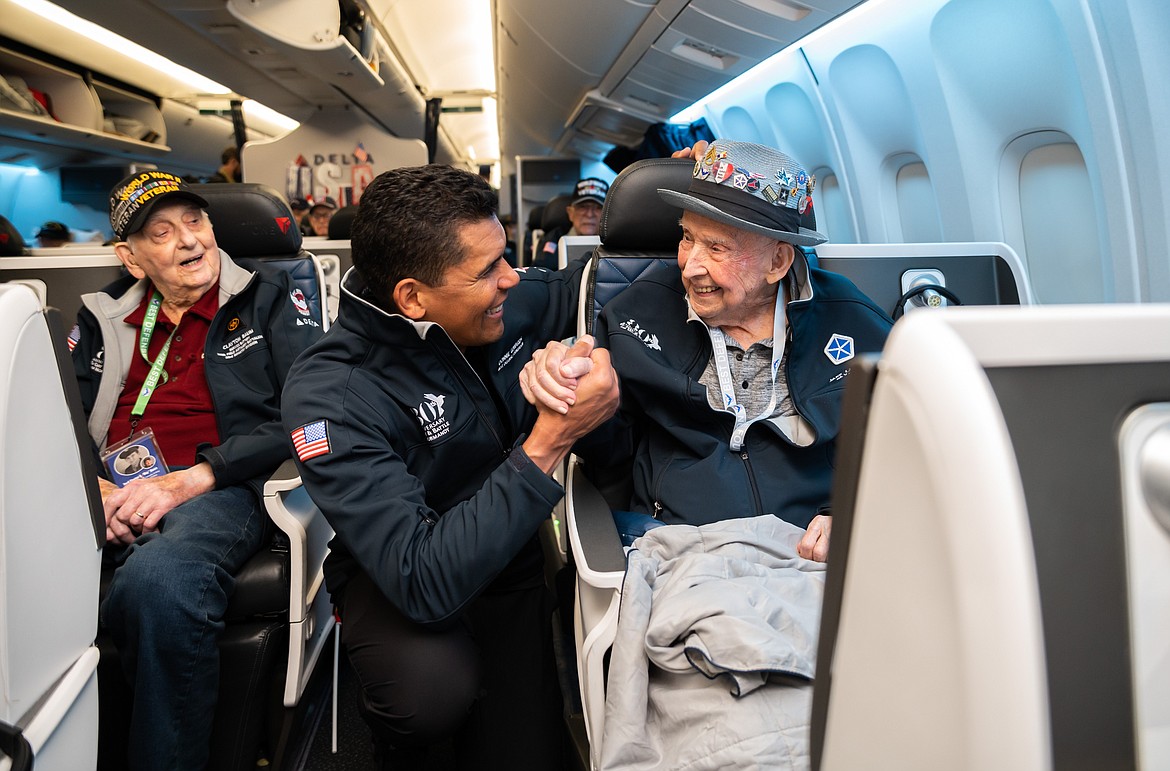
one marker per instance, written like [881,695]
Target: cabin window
[917,219]
[739,125]
[831,208]
[1051,219]
[1060,231]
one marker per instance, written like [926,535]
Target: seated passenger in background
[53,234]
[732,370]
[319,215]
[300,212]
[584,214]
[194,348]
[414,439]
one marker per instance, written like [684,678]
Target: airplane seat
[11,242]
[51,535]
[532,233]
[280,616]
[554,223]
[638,231]
[341,223]
[1000,566]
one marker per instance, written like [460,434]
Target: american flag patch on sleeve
[74,337]
[311,440]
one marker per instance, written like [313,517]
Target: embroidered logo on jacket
[311,440]
[299,302]
[511,354]
[635,329]
[431,417]
[240,343]
[839,349]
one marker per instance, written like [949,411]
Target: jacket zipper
[747,464]
[458,376]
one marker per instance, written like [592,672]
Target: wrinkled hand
[595,401]
[140,506]
[693,153]
[815,543]
[550,378]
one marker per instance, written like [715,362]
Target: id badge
[135,458]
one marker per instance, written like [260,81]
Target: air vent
[778,8]
[704,55]
[642,104]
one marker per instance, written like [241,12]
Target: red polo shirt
[180,411]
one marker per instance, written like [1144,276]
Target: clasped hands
[551,379]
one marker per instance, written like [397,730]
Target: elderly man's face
[730,275]
[176,249]
[586,217]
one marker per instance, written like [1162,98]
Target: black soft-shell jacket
[684,470]
[424,481]
[252,342]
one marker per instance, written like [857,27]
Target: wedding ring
[139,515]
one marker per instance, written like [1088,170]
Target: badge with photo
[135,458]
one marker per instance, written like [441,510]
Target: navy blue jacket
[683,469]
[424,481]
[253,339]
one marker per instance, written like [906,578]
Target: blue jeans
[164,610]
[631,524]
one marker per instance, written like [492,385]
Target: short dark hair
[230,153]
[408,223]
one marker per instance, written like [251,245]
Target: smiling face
[469,304]
[176,250]
[731,275]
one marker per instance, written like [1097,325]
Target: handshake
[574,389]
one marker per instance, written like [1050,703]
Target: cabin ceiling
[573,77]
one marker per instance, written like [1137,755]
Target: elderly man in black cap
[733,367]
[187,354]
[584,212]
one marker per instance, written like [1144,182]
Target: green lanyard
[156,367]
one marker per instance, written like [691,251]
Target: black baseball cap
[134,198]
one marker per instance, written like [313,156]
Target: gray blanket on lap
[715,650]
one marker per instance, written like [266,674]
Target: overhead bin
[84,116]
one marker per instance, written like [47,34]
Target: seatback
[51,534]
[255,226]
[637,229]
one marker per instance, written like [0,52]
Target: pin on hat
[751,187]
[590,189]
[135,197]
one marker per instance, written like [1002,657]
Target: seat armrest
[283,479]
[593,536]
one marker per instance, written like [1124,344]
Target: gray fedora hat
[752,187]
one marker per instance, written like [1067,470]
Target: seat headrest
[534,216]
[11,242]
[554,215]
[250,220]
[341,223]
[635,217]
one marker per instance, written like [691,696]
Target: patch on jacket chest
[839,349]
[648,339]
[432,417]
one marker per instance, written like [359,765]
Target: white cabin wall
[1024,121]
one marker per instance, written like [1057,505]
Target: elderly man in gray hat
[733,364]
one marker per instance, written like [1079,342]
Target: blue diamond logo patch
[839,349]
